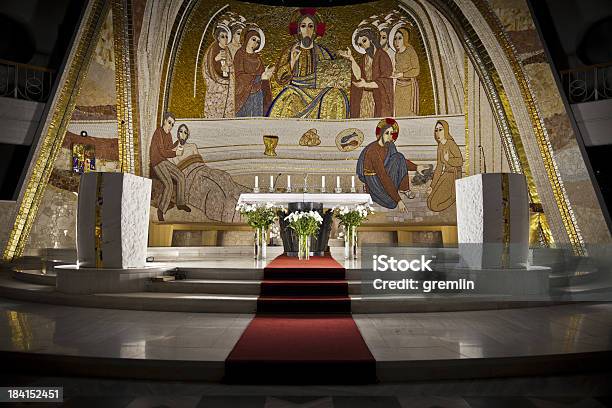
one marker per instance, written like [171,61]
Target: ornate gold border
[544,145]
[56,122]
[511,138]
[127,93]
[466,113]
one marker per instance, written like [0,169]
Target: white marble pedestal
[493,221]
[113,220]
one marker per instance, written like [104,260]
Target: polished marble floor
[52,329]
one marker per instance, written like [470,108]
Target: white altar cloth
[328,199]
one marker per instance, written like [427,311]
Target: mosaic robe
[442,185]
[253,95]
[384,171]
[407,87]
[304,95]
[381,72]
[219,99]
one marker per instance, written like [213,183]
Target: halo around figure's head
[222,27]
[384,124]
[363,29]
[301,13]
[248,31]
[403,27]
[236,25]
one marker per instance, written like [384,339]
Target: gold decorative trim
[127,93]
[56,123]
[544,145]
[505,188]
[467,117]
[98,220]
[511,138]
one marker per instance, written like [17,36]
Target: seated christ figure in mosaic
[303,70]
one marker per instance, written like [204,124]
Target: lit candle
[288,182]
[337,181]
[271,182]
[256,181]
[323,182]
[353,182]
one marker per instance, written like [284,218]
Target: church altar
[329,200]
[320,202]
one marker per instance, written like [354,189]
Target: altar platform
[228,280]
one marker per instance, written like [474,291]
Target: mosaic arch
[207,80]
[443,42]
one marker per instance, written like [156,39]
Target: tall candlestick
[337,181]
[256,181]
[288,182]
[352,181]
[271,188]
[323,182]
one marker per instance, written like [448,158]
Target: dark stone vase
[318,243]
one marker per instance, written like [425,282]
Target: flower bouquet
[351,218]
[259,217]
[305,224]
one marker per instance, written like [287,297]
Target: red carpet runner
[303,332]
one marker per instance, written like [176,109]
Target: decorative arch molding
[478,31]
[158,27]
[527,143]
[425,27]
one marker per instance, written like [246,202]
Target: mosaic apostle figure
[407,70]
[384,170]
[372,85]
[161,150]
[253,95]
[300,72]
[236,28]
[217,72]
[384,30]
[210,190]
[449,162]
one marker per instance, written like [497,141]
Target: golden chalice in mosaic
[270,142]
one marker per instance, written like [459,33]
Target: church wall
[7,214]
[94,126]
[517,21]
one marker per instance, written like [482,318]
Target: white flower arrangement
[353,216]
[275,231]
[304,222]
[259,215]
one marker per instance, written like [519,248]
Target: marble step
[221,286]
[224,303]
[205,252]
[195,273]
[28,262]
[209,286]
[34,276]
[597,290]
[572,278]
